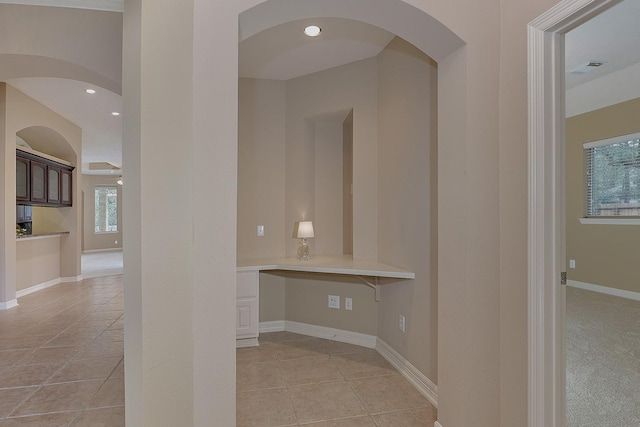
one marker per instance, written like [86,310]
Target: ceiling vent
[587,67]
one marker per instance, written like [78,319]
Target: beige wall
[84,45]
[307,302]
[482,233]
[51,134]
[482,156]
[261,168]
[347,184]
[333,93]
[314,187]
[37,261]
[407,200]
[404,124]
[92,240]
[605,255]
[261,184]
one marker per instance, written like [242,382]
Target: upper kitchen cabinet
[23,193]
[42,181]
[66,197]
[38,182]
[53,183]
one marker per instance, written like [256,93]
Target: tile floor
[61,357]
[102,263]
[61,364]
[296,380]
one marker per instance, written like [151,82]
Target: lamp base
[303,251]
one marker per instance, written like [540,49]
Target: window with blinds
[612,177]
[106,209]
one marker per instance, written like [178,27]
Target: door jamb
[546,222]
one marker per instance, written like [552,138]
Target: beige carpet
[603,360]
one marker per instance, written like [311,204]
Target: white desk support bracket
[374,285]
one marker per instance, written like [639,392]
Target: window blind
[612,176]
[106,209]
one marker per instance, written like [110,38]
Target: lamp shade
[305,229]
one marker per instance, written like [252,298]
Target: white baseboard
[349,337]
[9,304]
[91,251]
[38,287]
[605,290]
[102,273]
[247,342]
[48,284]
[273,326]
[437,424]
[424,385]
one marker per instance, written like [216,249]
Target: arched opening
[46,140]
[426,34]
[208,118]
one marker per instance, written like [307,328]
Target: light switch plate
[260,230]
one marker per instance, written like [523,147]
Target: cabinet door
[66,187]
[38,182]
[53,183]
[20,213]
[246,318]
[22,179]
[247,315]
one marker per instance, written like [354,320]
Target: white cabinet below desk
[247,307]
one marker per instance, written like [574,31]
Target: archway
[206,121]
[24,65]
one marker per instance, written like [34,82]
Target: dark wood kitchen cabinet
[38,182]
[66,196]
[23,187]
[42,182]
[53,185]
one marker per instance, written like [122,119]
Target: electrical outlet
[260,230]
[116,242]
[572,263]
[402,323]
[334,301]
[348,304]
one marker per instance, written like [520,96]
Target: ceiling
[283,53]
[612,37]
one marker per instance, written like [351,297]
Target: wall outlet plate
[334,301]
[348,304]
[572,263]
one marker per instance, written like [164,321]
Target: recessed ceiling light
[90,91]
[115,113]
[313,30]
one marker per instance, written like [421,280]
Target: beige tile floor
[61,364]
[61,357]
[296,380]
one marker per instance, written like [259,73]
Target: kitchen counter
[41,235]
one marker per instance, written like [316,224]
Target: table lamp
[304,231]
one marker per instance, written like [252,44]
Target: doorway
[547,397]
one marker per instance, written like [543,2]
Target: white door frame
[547,388]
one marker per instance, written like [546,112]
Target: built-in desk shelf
[247,274]
[340,264]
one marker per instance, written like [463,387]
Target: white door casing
[547,388]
